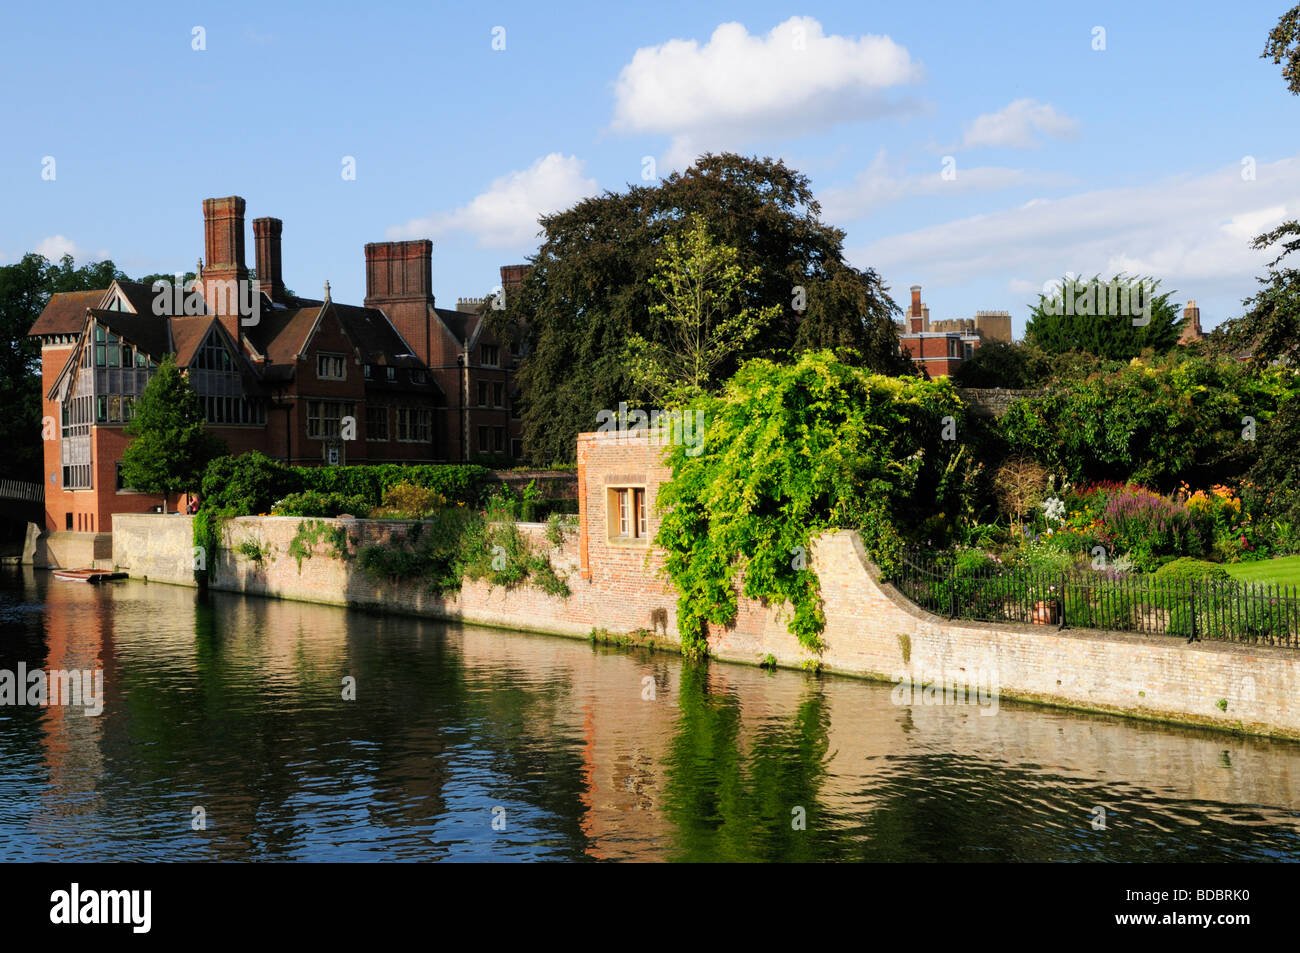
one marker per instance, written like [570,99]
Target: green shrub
[411,502]
[456,483]
[247,484]
[313,503]
[1186,567]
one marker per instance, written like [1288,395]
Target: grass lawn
[1284,571]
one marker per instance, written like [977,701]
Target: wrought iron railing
[1223,610]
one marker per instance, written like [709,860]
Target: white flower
[1053,509]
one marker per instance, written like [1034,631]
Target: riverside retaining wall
[871,630]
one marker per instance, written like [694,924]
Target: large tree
[25,289]
[1270,327]
[1116,319]
[171,446]
[589,289]
[700,298]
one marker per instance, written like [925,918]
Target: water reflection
[236,706]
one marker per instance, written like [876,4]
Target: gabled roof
[65,313]
[146,331]
[139,295]
[462,325]
[376,340]
[280,335]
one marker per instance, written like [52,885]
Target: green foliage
[495,550]
[1014,366]
[456,484]
[1272,486]
[408,501]
[248,484]
[458,543]
[589,287]
[1100,324]
[1186,567]
[171,448]
[206,529]
[253,551]
[1157,423]
[1270,326]
[1283,47]
[556,526]
[312,503]
[791,450]
[314,533]
[701,295]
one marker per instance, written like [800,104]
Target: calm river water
[475,744]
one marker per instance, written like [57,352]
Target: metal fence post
[1061,619]
[952,594]
[1191,588]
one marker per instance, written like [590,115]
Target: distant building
[941,346]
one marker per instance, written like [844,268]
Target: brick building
[941,346]
[306,381]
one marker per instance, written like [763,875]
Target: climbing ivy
[790,450]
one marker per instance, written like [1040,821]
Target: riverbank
[872,631]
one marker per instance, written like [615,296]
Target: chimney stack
[270,274]
[1191,324]
[915,316]
[223,244]
[399,282]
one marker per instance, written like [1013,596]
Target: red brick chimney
[399,281]
[915,319]
[224,268]
[270,275]
[513,278]
[1192,324]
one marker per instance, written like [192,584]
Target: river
[225,734]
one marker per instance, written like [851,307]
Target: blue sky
[1066,157]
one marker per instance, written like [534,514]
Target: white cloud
[1193,233]
[1018,125]
[739,86]
[56,246]
[880,184]
[505,216]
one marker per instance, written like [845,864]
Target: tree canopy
[589,289]
[1283,48]
[25,289]
[1104,318]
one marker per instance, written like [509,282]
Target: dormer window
[417,377]
[490,355]
[368,372]
[392,373]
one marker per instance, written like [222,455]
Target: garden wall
[871,630]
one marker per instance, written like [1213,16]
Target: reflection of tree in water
[724,804]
